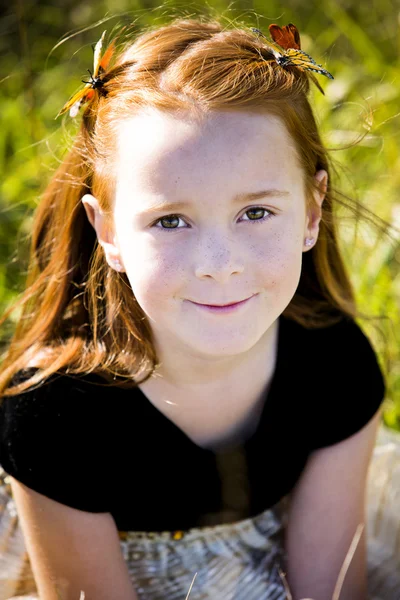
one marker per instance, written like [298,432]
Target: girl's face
[210,242]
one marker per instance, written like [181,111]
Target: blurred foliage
[46,50]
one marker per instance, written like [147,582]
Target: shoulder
[341,349]
[58,395]
[347,357]
[54,434]
[342,385]
[343,344]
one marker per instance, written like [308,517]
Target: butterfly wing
[305,62]
[295,34]
[105,59]
[286,37]
[97,55]
[76,107]
[76,100]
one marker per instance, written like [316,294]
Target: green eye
[172,217]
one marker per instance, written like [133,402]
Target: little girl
[187,391]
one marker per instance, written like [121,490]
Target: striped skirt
[238,561]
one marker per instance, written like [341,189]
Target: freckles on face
[162,273]
[157,274]
[278,261]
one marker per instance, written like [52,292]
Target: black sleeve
[51,440]
[349,385]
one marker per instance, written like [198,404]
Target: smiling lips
[223,307]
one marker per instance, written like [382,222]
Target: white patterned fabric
[233,562]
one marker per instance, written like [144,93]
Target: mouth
[223,307]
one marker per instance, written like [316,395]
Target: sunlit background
[46,50]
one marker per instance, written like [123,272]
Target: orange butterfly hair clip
[87,93]
[286,49]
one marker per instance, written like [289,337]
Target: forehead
[159,149]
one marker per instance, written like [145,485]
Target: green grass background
[45,51]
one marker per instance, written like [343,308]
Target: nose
[219,258]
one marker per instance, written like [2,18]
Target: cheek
[279,259]
[153,275]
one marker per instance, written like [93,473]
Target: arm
[326,506]
[71,550]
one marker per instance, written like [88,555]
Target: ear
[314,213]
[104,234]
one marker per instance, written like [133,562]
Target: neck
[196,375]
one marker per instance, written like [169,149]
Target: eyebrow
[238,199]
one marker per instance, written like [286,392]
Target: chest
[188,481]
[217,419]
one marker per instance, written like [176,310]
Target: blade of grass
[347,561]
[342,572]
[191,585]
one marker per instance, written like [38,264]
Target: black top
[103,449]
